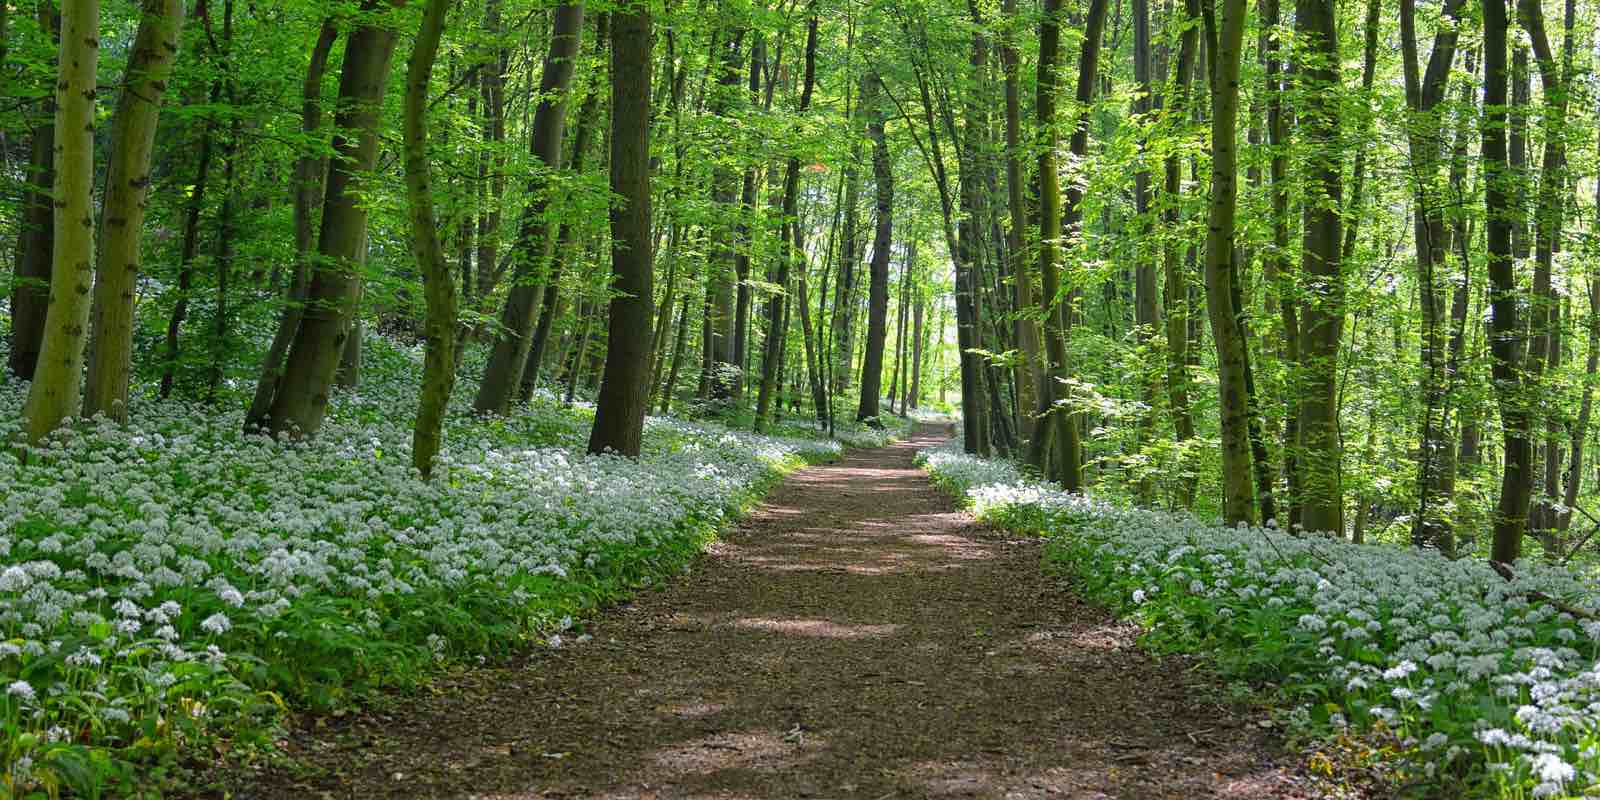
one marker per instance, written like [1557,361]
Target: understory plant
[173,585]
[1488,686]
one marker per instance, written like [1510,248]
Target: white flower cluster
[170,567]
[1445,654]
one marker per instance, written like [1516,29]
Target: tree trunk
[30,291]
[1506,336]
[309,170]
[1175,292]
[1322,498]
[133,134]
[625,387]
[535,246]
[439,289]
[777,317]
[301,402]
[56,391]
[671,383]
[882,242]
[1224,34]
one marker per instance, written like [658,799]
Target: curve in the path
[856,637]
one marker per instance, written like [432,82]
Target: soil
[856,637]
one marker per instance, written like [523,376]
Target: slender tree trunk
[1175,292]
[677,357]
[1224,34]
[550,300]
[30,292]
[1027,325]
[900,372]
[56,391]
[332,296]
[439,290]
[625,389]
[914,395]
[882,240]
[535,246]
[777,317]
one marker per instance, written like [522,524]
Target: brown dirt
[856,637]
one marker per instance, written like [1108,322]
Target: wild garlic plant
[1483,682]
[174,577]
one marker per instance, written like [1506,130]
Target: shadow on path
[856,637]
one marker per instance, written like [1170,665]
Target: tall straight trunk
[1175,290]
[1545,354]
[550,299]
[913,396]
[722,265]
[900,326]
[978,400]
[331,298]
[1580,427]
[844,302]
[625,387]
[1027,325]
[1146,309]
[309,170]
[535,246]
[30,290]
[777,315]
[747,207]
[492,79]
[671,383]
[189,249]
[439,290]
[1283,294]
[1506,336]
[57,387]
[1322,498]
[133,135]
[1224,35]
[878,268]
[1060,424]
[814,380]
[1424,91]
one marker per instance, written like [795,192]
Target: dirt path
[855,638]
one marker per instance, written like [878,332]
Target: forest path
[855,637]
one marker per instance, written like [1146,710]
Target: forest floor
[854,637]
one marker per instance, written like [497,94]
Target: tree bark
[535,246]
[310,169]
[882,241]
[1322,498]
[1224,34]
[30,292]
[439,289]
[776,316]
[1506,336]
[625,386]
[301,402]
[57,387]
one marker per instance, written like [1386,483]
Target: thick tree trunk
[1322,498]
[331,298]
[1224,34]
[309,170]
[1506,336]
[625,387]
[56,391]
[133,135]
[439,290]
[535,246]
